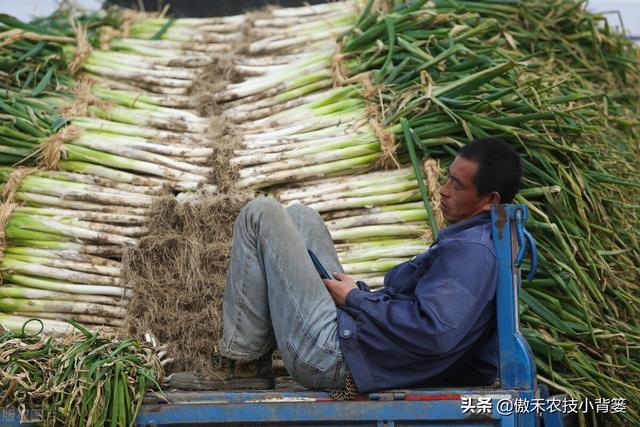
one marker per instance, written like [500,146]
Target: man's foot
[227,374]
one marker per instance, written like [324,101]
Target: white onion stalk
[266,105]
[131,231]
[325,106]
[378,218]
[373,243]
[101,182]
[347,166]
[277,95]
[353,254]
[54,306]
[386,230]
[374,200]
[131,72]
[83,215]
[64,254]
[158,120]
[399,188]
[330,141]
[306,132]
[314,10]
[142,101]
[134,150]
[200,35]
[49,327]
[84,319]
[276,43]
[378,265]
[65,286]
[41,200]
[133,59]
[192,22]
[320,187]
[166,48]
[110,173]
[298,74]
[155,134]
[319,158]
[70,265]
[296,150]
[96,139]
[40,294]
[84,154]
[20,225]
[266,61]
[345,213]
[61,245]
[350,118]
[20,267]
[159,136]
[386,188]
[83,192]
[330,25]
[137,76]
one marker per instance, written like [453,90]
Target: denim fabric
[275,297]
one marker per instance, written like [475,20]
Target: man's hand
[338,289]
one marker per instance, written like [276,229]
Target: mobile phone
[319,267]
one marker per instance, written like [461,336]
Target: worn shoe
[227,374]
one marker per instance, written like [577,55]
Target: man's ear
[492,198]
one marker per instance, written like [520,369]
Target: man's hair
[499,167]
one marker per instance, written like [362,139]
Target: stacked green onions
[60,242]
[292,123]
[321,97]
[85,379]
[377,219]
[548,77]
[128,119]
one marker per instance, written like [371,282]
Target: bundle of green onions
[377,219]
[327,93]
[308,28]
[58,241]
[85,379]
[120,108]
[546,76]
[292,124]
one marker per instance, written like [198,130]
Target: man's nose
[444,190]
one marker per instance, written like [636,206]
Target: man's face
[460,199]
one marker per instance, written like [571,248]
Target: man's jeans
[274,295]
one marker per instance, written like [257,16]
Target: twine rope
[9,190]
[52,148]
[83,48]
[83,99]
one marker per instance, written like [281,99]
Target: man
[433,323]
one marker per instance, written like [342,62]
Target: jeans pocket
[305,373]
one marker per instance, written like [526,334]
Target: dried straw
[178,273]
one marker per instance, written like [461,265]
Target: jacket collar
[477,219]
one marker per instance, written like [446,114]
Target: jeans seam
[237,302]
[286,282]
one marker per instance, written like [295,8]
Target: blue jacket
[434,322]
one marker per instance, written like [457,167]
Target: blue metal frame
[432,407]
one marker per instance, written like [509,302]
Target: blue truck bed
[432,407]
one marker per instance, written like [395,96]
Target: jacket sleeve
[448,299]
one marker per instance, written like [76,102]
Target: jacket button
[346,333]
